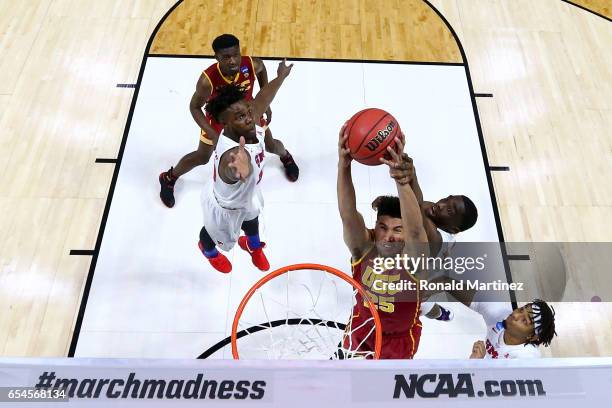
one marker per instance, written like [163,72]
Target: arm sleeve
[492,312]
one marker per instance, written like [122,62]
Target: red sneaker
[219,262]
[257,256]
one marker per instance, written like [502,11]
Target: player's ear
[223,116]
[376,203]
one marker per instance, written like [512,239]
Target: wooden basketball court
[539,74]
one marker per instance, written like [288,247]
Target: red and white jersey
[448,242]
[240,195]
[494,313]
[244,78]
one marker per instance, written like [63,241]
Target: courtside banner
[174,383]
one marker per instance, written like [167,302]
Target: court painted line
[519,258]
[87,252]
[357,61]
[586,9]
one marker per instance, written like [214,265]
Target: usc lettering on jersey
[398,310]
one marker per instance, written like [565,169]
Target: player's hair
[545,317]
[470,216]
[227,96]
[387,205]
[224,41]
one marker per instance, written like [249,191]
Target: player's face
[229,60]
[520,322]
[239,117]
[448,213]
[388,235]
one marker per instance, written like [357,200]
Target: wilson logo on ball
[380,137]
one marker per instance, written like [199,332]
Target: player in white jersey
[229,205]
[514,333]
[442,220]
[431,309]
[510,333]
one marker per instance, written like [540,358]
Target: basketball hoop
[306,320]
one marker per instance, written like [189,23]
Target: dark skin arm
[265,96]
[406,174]
[414,182]
[262,77]
[412,219]
[434,237]
[198,100]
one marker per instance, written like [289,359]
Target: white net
[304,314]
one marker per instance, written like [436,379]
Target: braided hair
[544,321]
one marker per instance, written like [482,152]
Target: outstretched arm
[265,96]
[235,164]
[262,78]
[260,72]
[354,231]
[412,219]
[198,100]
[414,181]
[410,175]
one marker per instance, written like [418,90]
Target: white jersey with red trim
[448,242]
[494,313]
[239,195]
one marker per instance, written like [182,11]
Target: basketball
[370,131]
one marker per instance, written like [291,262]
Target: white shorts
[222,224]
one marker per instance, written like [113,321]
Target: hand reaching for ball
[370,131]
[344,154]
[400,165]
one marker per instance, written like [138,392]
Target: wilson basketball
[370,132]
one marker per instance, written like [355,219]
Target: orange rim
[324,268]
